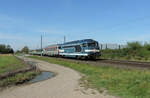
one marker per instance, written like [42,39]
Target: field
[11,63]
[126,83]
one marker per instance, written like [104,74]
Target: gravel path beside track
[64,85]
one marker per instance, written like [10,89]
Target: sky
[22,22]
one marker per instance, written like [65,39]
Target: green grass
[127,83]
[134,51]
[10,63]
[18,79]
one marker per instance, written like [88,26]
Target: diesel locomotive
[80,49]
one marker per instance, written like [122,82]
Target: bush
[6,49]
[133,50]
[134,45]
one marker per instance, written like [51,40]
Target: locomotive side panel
[81,49]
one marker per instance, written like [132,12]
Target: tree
[25,49]
[2,48]
[18,51]
[6,49]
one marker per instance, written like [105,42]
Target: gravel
[64,85]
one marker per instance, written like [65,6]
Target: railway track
[137,64]
[114,63]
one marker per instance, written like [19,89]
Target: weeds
[127,83]
[133,51]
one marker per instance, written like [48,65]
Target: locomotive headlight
[61,50]
[93,50]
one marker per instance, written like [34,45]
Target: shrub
[134,50]
[5,49]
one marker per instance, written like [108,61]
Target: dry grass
[5,54]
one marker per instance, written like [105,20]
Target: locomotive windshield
[93,44]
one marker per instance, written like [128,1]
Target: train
[79,49]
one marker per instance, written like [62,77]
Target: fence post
[106,46]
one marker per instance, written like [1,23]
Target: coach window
[59,47]
[78,48]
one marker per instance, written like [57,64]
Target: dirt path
[64,85]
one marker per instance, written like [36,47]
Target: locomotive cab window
[92,44]
[84,44]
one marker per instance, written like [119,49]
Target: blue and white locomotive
[81,49]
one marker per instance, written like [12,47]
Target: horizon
[22,22]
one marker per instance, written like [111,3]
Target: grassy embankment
[119,82]
[134,51]
[11,63]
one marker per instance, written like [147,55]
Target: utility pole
[101,46]
[119,47]
[41,45]
[64,39]
[106,46]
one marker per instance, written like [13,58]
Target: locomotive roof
[80,41]
[73,42]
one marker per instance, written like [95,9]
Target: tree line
[25,50]
[5,49]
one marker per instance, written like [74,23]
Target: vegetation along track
[114,63]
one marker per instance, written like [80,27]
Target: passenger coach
[51,50]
